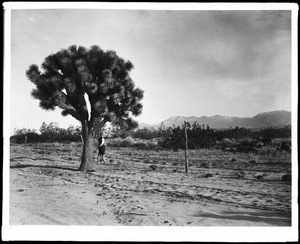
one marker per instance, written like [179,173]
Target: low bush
[131,142]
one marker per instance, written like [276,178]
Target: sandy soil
[147,188]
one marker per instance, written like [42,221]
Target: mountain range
[261,120]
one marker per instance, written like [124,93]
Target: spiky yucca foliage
[70,74]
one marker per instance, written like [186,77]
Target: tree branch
[82,108]
[74,114]
[66,106]
[78,104]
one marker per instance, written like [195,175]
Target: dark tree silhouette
[75,77]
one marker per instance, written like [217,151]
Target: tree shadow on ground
[19,166]
[24,157]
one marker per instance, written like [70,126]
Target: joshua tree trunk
[87,161]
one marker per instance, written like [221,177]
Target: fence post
[25,143]
[186,149]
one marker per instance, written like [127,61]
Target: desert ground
[148,188]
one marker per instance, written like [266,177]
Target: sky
[188,62]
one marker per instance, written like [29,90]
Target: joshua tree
[76,79]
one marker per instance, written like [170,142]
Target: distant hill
[274,118]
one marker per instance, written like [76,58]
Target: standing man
[101,150]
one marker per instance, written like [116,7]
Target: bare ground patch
[46,188]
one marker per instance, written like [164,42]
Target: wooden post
[186,149]
[25,143]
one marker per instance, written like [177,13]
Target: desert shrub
[113,142]
[146,144]
[241,139]
[48,133]
[31,137]
[274,132]
[267,151]
[131,142]
[52,132]
[154,143]
[120,142]
[141,145]
[151,133]
[128,142]
[199,137]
